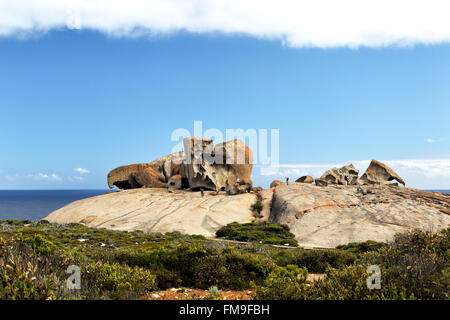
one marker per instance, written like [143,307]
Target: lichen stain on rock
[201,165]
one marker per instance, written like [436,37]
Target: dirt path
[198,294]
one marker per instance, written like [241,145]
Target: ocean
[37,204]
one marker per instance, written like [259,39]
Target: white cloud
[44,176]
[10,178]
[76,179]
[318,23]
[35,176]
[418,173]
[81,170]
[429,140]
[425,167]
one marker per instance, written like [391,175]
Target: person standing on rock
[287,181]
[202,192]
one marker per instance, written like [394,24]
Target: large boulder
[332,176]
[379,173]
[154,174]
[305,179]
[345,175]
[201,165]
[238,186]
[209,167]
[175,182]
[350,174]
[320,182]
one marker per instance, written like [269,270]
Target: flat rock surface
[338,214]
[157,210]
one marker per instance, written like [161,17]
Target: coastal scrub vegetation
[34,257]
[263,232]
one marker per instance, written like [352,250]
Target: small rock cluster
[376,174]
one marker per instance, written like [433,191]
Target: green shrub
[257,207]
[230,268]
[316,261]
[414,266]
[214,292]
[263,232]
[361,247]
[422,261]
[24,276]
[116,281]
[283,284]
[201,267]
[20,281]
[40,245]
[34,257]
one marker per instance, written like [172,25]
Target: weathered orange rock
[305,179]
[208,166]
[332,176]
[202,165]
[175,181]
[245,181]
[339,214]
[350,174]
[150,175]
[238,186]
[345,175]
[321,182]
[379,173]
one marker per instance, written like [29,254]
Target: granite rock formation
[318,216]
[345,175]
[340,207]
[201,165]
[157,210]
[379,173]
[320,182]
[376,173]
[154,174]
[239,186]
[208,166]
[305,179]
[337,214]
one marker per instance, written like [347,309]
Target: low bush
[257,208]
[40,244]
[232,269]
[25,276]
[283,284]
[263,232]
[316,261]
[19,281]
[361,247]
[116,281]
[127,265]
[201,267]
[414,266]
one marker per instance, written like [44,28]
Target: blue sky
[77,103]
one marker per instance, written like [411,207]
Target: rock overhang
[202,165]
